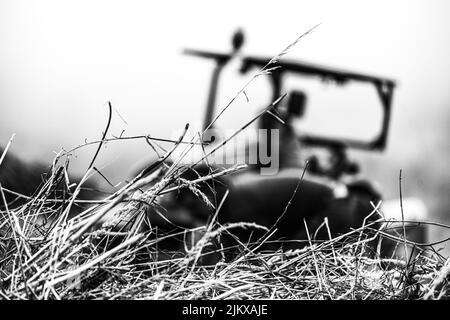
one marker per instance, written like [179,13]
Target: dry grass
[46,255]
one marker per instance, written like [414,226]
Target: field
[45,255]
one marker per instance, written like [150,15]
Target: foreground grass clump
[45,255]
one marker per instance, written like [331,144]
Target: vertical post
[212,94]
[385,92]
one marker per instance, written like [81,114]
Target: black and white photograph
[256,152]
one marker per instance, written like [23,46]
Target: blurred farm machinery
[333,189]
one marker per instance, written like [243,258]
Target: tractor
[307,198]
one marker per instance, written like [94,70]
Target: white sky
[60,61]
